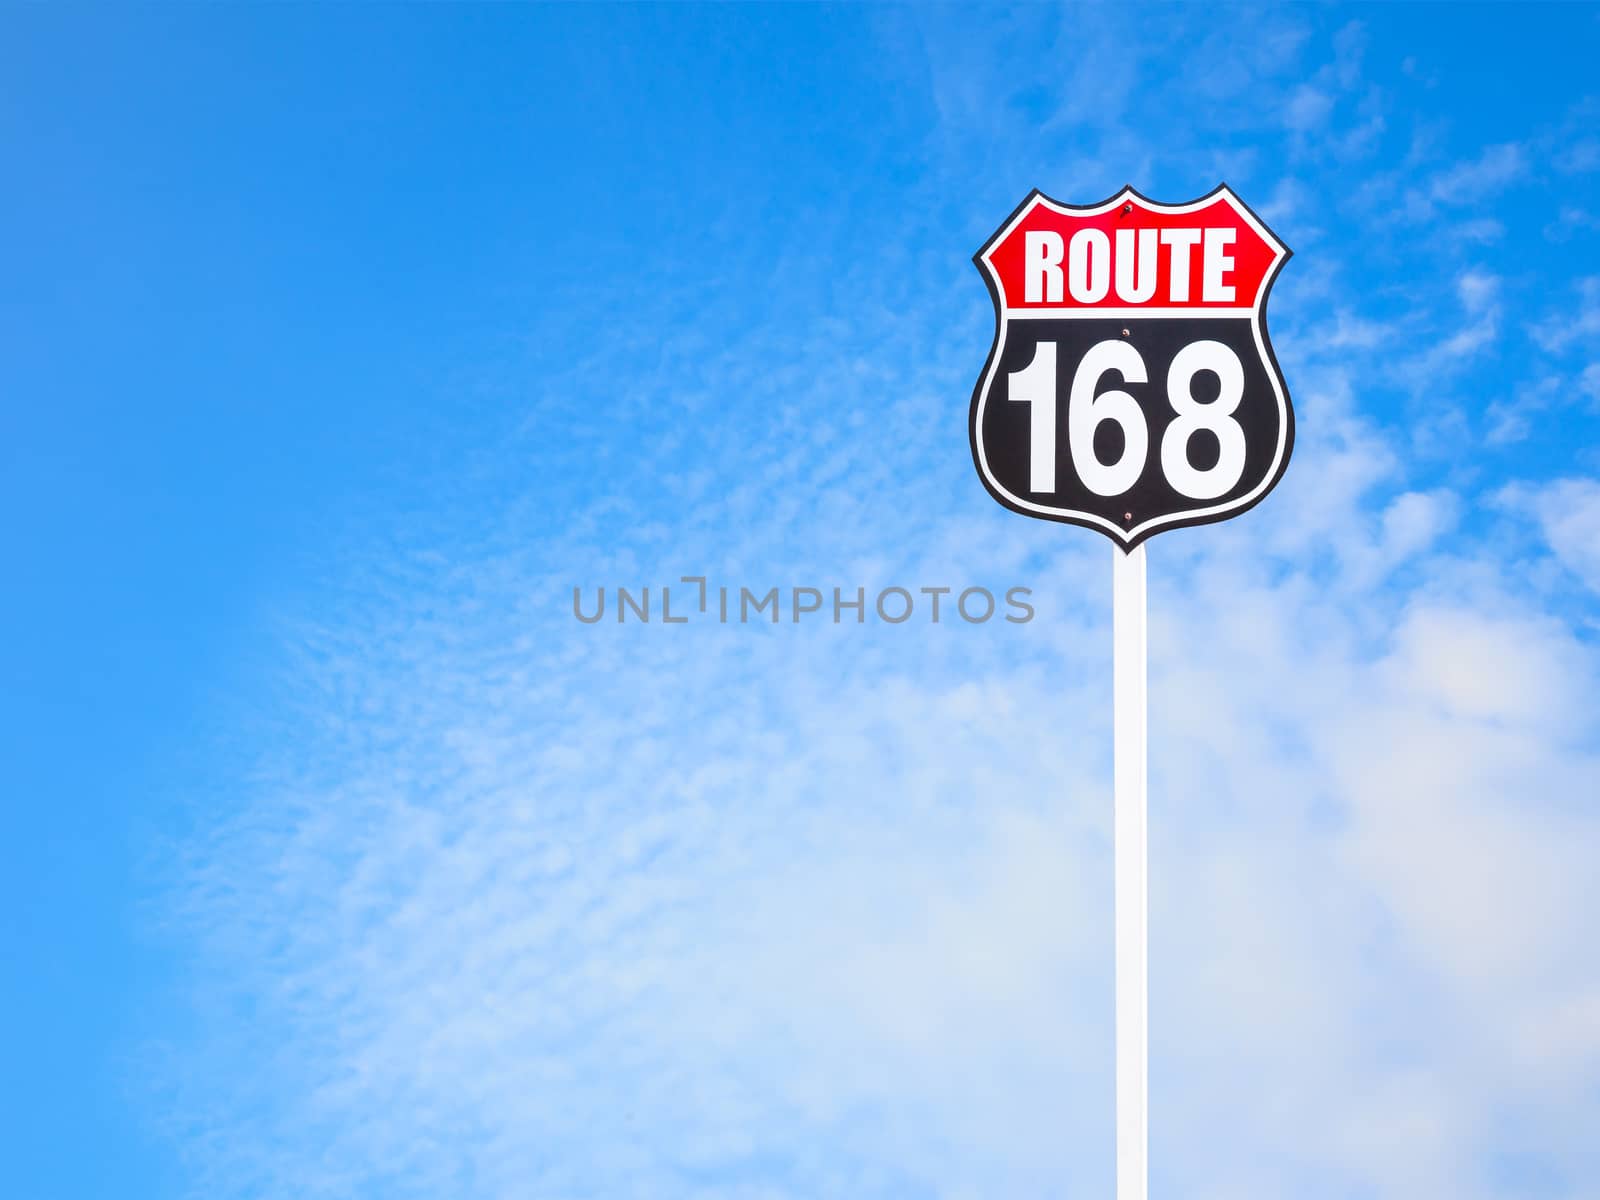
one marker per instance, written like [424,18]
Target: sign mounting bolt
[1127,208]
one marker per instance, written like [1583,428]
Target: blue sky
[337,345]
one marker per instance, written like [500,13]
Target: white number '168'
[1035,385]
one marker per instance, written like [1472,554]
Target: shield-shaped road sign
[1131,387]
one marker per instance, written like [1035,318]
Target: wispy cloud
[514,907]
[1479,178]
[1569,222]
[1578,322]
[1308,108]
[601,911]
[1567,512]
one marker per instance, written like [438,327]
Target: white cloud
[1569,222]
[1573,323]
[1512,420]
[528,908]
[514,907]
[1479,178]
[1480,231]
[1589,382]
[1568,514]
[1477,290]
[1289,200]
[1581,156]
[1478,293]
[1308,108]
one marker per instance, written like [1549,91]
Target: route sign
[1131,387]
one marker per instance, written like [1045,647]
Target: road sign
[1131,387]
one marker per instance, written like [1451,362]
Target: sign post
[1130,857]
[1131,389]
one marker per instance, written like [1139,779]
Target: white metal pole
[1130,863]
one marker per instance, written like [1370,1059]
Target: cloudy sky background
[343,344]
